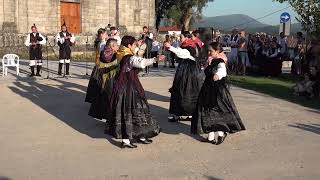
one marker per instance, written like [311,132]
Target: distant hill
[240,21]
[228,22]
[296,27]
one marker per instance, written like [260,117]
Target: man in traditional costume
[34,41]
[65,40]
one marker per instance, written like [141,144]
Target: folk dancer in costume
[65,40]
[34,41]
[216,112]
[93,86]
[106,71]
[187,81]
[131,116]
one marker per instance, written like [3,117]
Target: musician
[65,40]
[34,41]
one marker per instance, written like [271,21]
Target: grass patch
[280,87]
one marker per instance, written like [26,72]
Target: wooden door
[70,14]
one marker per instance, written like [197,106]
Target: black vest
[35,39]
[67,42]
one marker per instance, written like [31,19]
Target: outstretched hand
[167,45]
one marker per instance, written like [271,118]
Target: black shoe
[207,141]
[38,75]
[31,75]
[221,139]
[172,119]
[125,145]
[147,141]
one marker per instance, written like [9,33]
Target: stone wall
[13,43]
[20,15]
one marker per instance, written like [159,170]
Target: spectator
[155,50]
[243,58]
[166,51]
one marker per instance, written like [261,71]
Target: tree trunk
[186,19]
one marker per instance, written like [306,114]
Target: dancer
[65,40]
[187,81]
[131,117]
[93,86]
[106,71]
[34,41]
[216,112]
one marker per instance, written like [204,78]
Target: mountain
[296,27]
[241,21]
[229,22]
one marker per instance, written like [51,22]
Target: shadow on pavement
[314,128]
[65,101]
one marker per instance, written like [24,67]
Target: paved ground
[45,133]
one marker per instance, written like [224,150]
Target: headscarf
[188,43]
[219,56]
[122,52]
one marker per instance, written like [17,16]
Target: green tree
[181,12]
[308,14]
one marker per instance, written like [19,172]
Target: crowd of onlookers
[263,54]
[255,54]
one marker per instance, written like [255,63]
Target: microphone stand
[87,44]
[47,58]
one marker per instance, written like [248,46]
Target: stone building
[81,16]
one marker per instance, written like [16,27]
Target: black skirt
[100,106]
[93,87]
[216,110]
[131,116]
[185,89]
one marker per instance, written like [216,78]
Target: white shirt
[62,40]
[27,42]
[139,62]
[221,70]
[181,53]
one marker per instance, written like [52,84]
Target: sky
[252,8]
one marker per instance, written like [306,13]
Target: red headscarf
[188,43]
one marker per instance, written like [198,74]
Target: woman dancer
[93,87]
[187,81]
[106,71]
[216,112]
[131,117]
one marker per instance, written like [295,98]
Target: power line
[248,22]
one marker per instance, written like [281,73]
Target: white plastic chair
[10,60]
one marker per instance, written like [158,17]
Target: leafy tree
[308,14]
[181,12]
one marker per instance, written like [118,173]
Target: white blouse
[62,40]
[182,53]
[139,62]
[221,70]
[27,42]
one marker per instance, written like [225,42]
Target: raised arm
[141,63]
[181,53]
